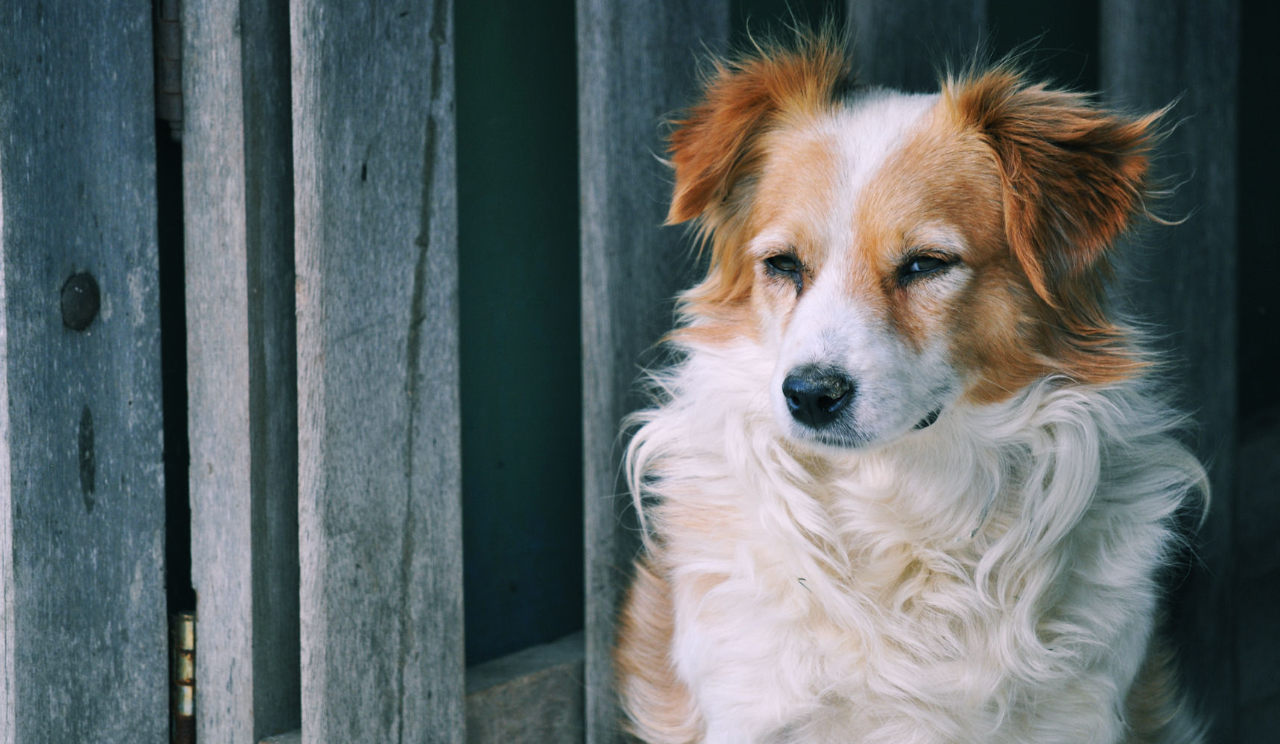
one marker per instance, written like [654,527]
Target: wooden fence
[322,339]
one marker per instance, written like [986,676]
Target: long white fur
[986,579]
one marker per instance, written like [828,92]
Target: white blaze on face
[839,323]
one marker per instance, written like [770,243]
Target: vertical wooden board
[84,601]
[8,592]
[904,43]
[379,484]
[1184,279]
[637,66]
[217,371]
[241,370]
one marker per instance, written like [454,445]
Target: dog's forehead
[870,125]
[817,169]
[855,137]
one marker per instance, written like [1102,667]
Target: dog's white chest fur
[985,580]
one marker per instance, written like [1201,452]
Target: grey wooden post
[903,43]
[636,67]
[379,494]
[1153,52]
[242,402]
[82,601]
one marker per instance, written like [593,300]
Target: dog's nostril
[816,396]
[827,401]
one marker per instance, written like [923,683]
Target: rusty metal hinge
[182,676]
[168,41]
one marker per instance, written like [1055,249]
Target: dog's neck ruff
[1018,536]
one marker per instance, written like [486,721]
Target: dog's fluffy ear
[1073,175]
[714,145]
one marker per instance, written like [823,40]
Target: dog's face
[876,230]
[900,254]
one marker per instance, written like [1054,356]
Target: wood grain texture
[8,590]
[376,258]
[533,696]
[904,43]
[529,697]
[1184,279]
[241,371]
[637,66]
[82,536]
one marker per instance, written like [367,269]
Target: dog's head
[898,253]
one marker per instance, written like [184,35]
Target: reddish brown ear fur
[713,145]
[1073,175]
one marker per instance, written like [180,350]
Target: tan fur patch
[715,143]
[1073,177]
[1153,701]
[946,175]
[658,705]
[716,151]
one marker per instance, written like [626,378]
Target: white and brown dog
[909,482]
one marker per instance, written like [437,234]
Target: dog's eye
[917,267]
[786,266]
[783,263]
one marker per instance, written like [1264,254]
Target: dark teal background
[521,350]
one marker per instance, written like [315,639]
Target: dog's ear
[1073,175]
[714,145]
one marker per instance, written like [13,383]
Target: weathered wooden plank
[242,402]
[529,697]
[375,241]
[82,532]
[636,66]
[903,43]
[1153,52]
[8,592]
[533,696]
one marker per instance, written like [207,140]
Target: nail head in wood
[80,301]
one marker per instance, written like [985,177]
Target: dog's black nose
[816,396]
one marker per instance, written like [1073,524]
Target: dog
[910,478]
